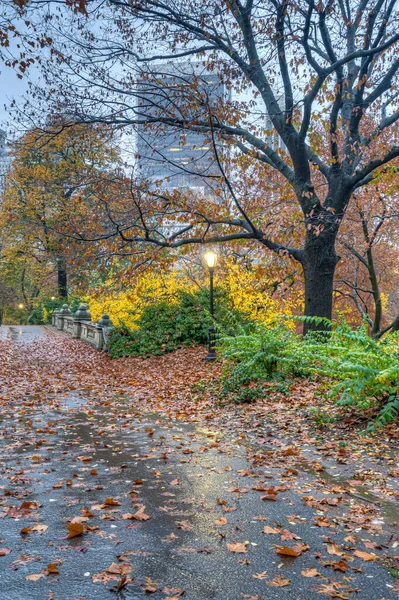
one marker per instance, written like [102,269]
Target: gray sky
[10,87]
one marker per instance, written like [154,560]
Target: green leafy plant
[357,370]
[164,326]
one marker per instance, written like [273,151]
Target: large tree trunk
[62,279]
[319,262]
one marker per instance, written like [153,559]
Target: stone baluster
[64,312]
[54,317]
[103,325]
[82,315]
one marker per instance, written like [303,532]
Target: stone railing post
[104,325]
[54,317]
[64,312]
[82,314]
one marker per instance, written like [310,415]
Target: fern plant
[361,372]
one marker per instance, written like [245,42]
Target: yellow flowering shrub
[248,291]
[125,307]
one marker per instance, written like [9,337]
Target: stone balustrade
[81,327]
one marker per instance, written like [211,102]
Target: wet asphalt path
[68,461]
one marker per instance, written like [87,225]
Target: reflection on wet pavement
[22,333]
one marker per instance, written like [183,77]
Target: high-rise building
[5,160]
[174,157]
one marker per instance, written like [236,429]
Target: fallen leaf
[294,551]
[52,569]
[74,530]
[238,547]
[365,555]
[270,530]
[35,576]
[111,502]
[279,581]
[140,515]
[311,572]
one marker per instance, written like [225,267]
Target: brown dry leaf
[74,529]
[112,502]
[288,535]
[80,520]
[322,522]
[270,530]
[340,565]
[52,569]
[261,576]
[311,572]
[279,581]
[271,494]
[334,550]
[365,555]
[39,528]
[221,521]
[4,551]
[294,551]
[26,530]
[35,576]
[140,515]
[175,482]
[150,586]
[238,547]
[184,525]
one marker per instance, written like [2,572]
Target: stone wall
[81,327]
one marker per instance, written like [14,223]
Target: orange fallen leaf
[238,547]
[270,530]
[74,529]
[311,572]
[294,551]
[140,515]
[365,555]
[150,587]
[52,569]
[4,551]
[279,581]
[260,576]
[112,502]
[221,521]
[334,550]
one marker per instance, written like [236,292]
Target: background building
[169,156]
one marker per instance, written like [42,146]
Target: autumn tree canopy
[50,187]
[324,72]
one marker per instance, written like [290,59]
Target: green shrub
[359,371]
[164,327]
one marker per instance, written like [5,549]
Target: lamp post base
[211,356]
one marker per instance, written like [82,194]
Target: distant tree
[368,273]
[47,189]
